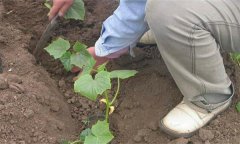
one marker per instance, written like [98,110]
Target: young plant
[90,86]
[235,57]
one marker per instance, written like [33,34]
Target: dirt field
[37,102]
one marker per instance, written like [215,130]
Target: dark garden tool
[42,43]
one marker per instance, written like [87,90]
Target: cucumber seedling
[89,86]
[86,84]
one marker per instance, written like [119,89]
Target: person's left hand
[60,7]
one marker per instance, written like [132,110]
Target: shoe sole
[186,135]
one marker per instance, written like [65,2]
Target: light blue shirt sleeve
[123,29]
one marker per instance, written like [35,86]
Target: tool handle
[54,20]
[46,36]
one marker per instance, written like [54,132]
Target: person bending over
[189,35]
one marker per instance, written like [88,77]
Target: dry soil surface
[37,102]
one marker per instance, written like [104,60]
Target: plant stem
[76,142]
[107,106]
[94,70]
[116,94]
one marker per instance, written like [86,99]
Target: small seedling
[235,57]
[89,86]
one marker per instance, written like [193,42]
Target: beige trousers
[189,35]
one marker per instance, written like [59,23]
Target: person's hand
[60,7]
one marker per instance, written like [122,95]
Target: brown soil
[37,103]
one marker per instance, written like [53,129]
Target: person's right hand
[60,7]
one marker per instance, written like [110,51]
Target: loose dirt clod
[207,142]
[29,113]
[22,142]
[12,142]
[153,125]
[236,140]
[137,138]
[179,141]
[205,134]
[17,87]
[55,107]
[62,84]
[2,39]
[141,134]
[12,78]
[1,64]
[3,83]
[2,107]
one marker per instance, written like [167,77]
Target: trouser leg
[189,34]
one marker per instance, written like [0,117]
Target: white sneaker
[148,38]
[183,121]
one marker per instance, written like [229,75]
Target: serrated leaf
[78,47]
[85,133]
[58,48]
[65,59]
[102,67]
[122,74]
[238,106]
[100,134]
[76,11]
[91,88]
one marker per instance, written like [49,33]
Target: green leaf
[78,47]
[238,106]
[122,74]
[102,67]
[91,88]
[235,56]
[86,70]
[82,58]
[65,59]
[85,133]
[76,11]
[91,139]
[47,4]
[100,134]
[58,48]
